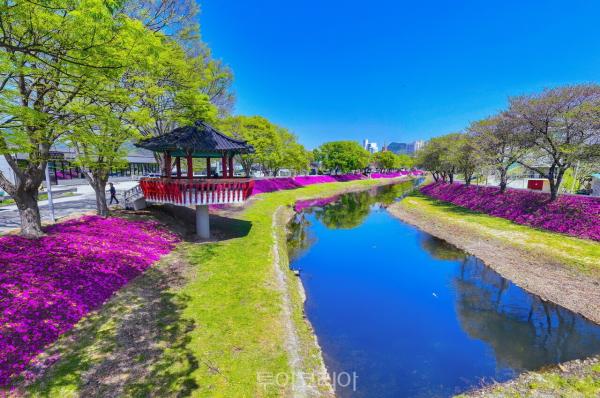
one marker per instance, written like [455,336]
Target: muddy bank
[531,270]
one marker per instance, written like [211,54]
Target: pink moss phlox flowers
[278,183]
[569,214]
[48,284]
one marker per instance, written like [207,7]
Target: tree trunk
[31,222]
[451,177]
[98,183]
[555,181]
[503,179]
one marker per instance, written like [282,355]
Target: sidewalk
[85,200]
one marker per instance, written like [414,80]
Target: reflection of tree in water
[348,212]
[353,208]
[524,331]
[299,238]
[440,249]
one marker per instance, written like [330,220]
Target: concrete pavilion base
[202,222]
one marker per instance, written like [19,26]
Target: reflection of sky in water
[414,316]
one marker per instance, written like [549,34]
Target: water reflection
[413,315]
[524,331]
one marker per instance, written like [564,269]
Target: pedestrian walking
[113,194]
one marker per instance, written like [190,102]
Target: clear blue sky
[392,70]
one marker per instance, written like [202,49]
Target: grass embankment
[575,379]
[581,254]
[207,320]
[559,268]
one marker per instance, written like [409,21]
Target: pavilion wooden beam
[168,165]
[230,166]
[224,166]
[207,167]
[190,166]
[178,166]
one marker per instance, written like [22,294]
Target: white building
[370,146]
[417,145]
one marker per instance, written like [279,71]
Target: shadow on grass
[184,218]
[135,345]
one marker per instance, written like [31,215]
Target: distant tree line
[348,156]
[549,133]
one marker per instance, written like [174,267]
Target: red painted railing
[186,192]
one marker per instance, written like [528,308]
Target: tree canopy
[342,156]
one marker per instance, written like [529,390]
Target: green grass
[586,384]
[208,335]
[580,253]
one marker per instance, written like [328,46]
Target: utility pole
[49,188]
[575,178]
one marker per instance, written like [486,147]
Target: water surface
[414,316]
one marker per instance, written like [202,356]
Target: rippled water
[411,315]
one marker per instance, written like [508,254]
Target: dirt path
[534,272]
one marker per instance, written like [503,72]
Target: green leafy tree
[436,158]
[274,146]
[385,160]
[54,55]
[463,155]
[342,156]
[404,161]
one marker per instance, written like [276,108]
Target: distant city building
[370,146]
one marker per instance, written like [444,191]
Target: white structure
[596,184]
[370,146]
[417,145]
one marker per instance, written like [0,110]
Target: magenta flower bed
[278,183]
[573,215]
[49,284]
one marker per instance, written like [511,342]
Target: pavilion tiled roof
[199,138]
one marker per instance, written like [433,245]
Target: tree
[274,146]
[404,161]
[437,157]
[53,54]
[499,144]
[342,156]
[462,154]
[385,160]
[560,127]
[295,156]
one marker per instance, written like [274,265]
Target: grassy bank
[207,321]
[573,379]
[581,254]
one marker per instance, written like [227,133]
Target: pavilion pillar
[178,166]
[230,167]
[207,167]
[224,166]
[168,165]
[202,222]
[190,166]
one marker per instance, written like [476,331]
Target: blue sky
[393,70]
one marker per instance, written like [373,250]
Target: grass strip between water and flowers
[207,320]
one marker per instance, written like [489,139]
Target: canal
[404,314]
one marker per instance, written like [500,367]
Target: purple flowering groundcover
[573,215]
[279,183]
[47,285]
